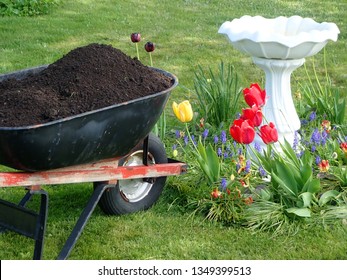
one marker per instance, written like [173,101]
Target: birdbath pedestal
[279,46]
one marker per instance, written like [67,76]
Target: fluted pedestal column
[279,107]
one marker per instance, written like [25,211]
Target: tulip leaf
[301,212]
[213,162]
[307,199]
[283,184]
[286,179]
[306,176]
[289,152]
[209,162]
[202,150]
[314,186]
[204,168]
[327,197]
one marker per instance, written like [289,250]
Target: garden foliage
[25,7]
[218,94]
[289,185]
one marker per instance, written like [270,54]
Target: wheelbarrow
[112,147]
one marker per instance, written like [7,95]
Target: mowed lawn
[185,33]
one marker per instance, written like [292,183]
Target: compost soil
[87,78]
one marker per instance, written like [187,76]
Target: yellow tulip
[183,111]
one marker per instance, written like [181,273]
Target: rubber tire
[113,201]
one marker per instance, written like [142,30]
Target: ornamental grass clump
[322,98]
[218,94]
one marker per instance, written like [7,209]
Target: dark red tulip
[135,37]
[242,131]
[149,46]
[268,133]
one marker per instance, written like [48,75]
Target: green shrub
[25,7]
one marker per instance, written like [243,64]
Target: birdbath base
[279,108]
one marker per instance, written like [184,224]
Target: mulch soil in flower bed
[87,78]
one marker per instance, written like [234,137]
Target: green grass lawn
[164,232]
[185,33]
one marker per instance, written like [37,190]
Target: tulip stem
[190,138]
[137,51]
[150,57]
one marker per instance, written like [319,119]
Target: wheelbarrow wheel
[134,195]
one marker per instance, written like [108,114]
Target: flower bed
[287,186]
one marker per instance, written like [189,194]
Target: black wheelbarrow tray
[112,147]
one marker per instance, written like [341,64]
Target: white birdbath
[279,46]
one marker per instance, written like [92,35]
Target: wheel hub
[134,190]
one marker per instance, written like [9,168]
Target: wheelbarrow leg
[25,198]
[22,203]
[34,225]
[82,221]
[41,224]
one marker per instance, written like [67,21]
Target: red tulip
[253,115]
[242,131]
[249,200]
[324,165]
[216,193]
[149,46]
[343,146]
[254,95]
[326,125]
[268,133]
[135,37]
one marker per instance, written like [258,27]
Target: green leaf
[280,182]
[290,154]
[209,162]
[265,194]
[287,179]
[327,197]
[307,158]
[204,167]
[202,151]
[301,212]
[307,199]
[213,162]
[314,186]
[306,175]
[341,112]
[263,158]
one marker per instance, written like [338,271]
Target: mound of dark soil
[87,78]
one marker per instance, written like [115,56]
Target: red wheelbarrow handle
[106,170]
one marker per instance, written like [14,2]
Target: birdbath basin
[279,46]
